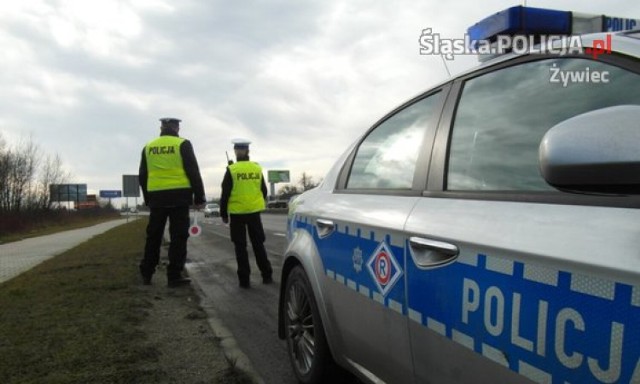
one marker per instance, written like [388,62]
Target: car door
[361,241]
[545,286]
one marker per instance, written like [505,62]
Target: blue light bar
[521,20]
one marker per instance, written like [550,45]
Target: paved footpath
[23,255]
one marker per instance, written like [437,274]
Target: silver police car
[486,231]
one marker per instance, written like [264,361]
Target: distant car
[212,210]
[485,231]
[133,210]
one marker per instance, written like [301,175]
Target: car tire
[306,341]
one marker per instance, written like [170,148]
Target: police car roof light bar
[520,20]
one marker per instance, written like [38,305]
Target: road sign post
[276,176]
[60,193]
[110,194]
[131,187]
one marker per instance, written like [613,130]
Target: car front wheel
[306,341]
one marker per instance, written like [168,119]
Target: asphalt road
[251,315]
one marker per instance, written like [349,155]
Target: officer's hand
[225,220]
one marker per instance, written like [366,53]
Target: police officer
[170,181]
[243,198]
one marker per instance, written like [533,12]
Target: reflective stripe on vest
[164,164]
[246,194]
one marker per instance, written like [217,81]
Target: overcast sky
[88,80]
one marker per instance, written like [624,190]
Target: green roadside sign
[278,176]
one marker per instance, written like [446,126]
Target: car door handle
[430,253]
[325,227]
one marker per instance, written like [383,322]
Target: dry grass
[84,317]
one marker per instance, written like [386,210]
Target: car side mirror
[595,152]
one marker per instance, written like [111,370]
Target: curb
[232,353]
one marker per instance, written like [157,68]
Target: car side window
[503,115]
[387,157]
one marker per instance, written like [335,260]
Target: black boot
[146,276]
[175,279]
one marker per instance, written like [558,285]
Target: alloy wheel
[300,328]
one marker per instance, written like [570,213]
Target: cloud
[302,80]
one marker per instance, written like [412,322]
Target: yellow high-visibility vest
[164,164]
[246,194]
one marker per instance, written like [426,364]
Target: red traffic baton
[195,229]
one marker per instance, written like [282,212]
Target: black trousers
[239,226]
[179,233]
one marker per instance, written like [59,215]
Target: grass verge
[80,317]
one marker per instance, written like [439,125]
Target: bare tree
[5,166]
[18,167]
[288,190]
[21,173]
[306,182]
[51,172]
[25,176]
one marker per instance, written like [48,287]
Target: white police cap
[240,143]
[169,120]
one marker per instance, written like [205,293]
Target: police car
[485,231]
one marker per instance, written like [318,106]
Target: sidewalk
[23,255]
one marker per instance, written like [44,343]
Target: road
[251,315]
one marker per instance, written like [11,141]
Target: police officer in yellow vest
[170,180]
[244,192]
